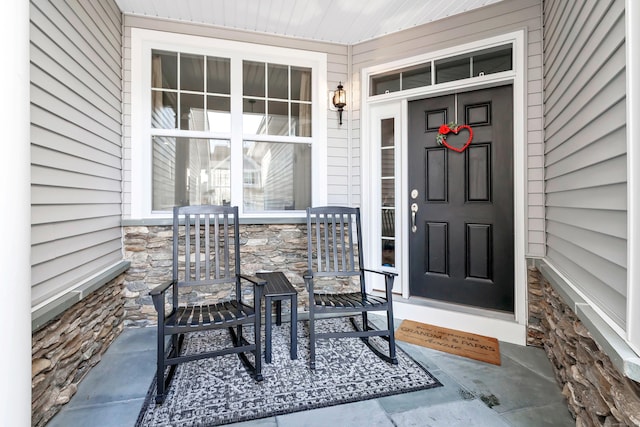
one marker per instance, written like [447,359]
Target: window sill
[621,354]
[135,222]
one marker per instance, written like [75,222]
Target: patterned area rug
[219,391]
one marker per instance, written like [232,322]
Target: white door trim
[510,328]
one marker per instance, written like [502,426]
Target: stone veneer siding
[65,349]
[265,247]
[597,393]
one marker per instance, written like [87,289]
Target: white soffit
[344,22]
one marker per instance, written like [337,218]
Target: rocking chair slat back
[334,250]
[206,255]
[335,253]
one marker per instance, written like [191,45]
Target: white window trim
[513,330]
[143,41]
[371,238]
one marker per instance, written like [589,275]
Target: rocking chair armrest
[158,295]
[161,289]
[254,279]
[385,273]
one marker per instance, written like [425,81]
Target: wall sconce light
[340,100]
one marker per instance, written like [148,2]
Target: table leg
[267,329]
[278,312]
[294,326]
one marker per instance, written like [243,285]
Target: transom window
[479,63]
[228,127]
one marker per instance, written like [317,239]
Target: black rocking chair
[332,254]
[206,259]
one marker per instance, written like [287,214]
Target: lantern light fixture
[340,100]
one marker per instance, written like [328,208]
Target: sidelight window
[388,188]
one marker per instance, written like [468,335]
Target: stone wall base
[265,247]
[65,349]
[597,393]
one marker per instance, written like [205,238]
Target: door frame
[506,327]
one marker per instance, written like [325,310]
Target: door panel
[461,249]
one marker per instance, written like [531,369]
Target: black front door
[461,238]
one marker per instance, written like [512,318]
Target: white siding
[337,136]
[500,18]
[585,149]
[75,142]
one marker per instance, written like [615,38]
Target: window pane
[388,253]
[278,81]
[387,132]
[416,77]
[388,190]
[164,106]
[192,72]
[276,176]
[301,84]
[190,171]
[253,78]
[191,111]
[451,69]
[301,119]
[387,163]
[164,70]
[278,118]
[253,118]
[492,60]
[218,75]
[385,83]
[218,114]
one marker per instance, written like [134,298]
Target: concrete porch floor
[520,392]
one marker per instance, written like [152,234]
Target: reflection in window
[416,76]
[277,99]
[387,190]
[385,83]
[190,171]
[404,79]
[204,86]
[451,69]
[192,92]
[494,60]
[276,176]
[479,63]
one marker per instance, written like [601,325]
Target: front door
[461,237]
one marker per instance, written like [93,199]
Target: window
[388,188]
[479,63]
[218,123]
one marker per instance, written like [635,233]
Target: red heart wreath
[453,128]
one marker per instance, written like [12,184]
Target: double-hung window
[227,123]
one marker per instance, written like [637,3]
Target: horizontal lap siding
[499,18]
[585,150]
[76,126]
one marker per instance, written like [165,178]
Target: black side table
[279,288]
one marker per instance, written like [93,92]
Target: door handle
[414,211]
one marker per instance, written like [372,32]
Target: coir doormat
[472,346]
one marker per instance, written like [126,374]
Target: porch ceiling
[343,22]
